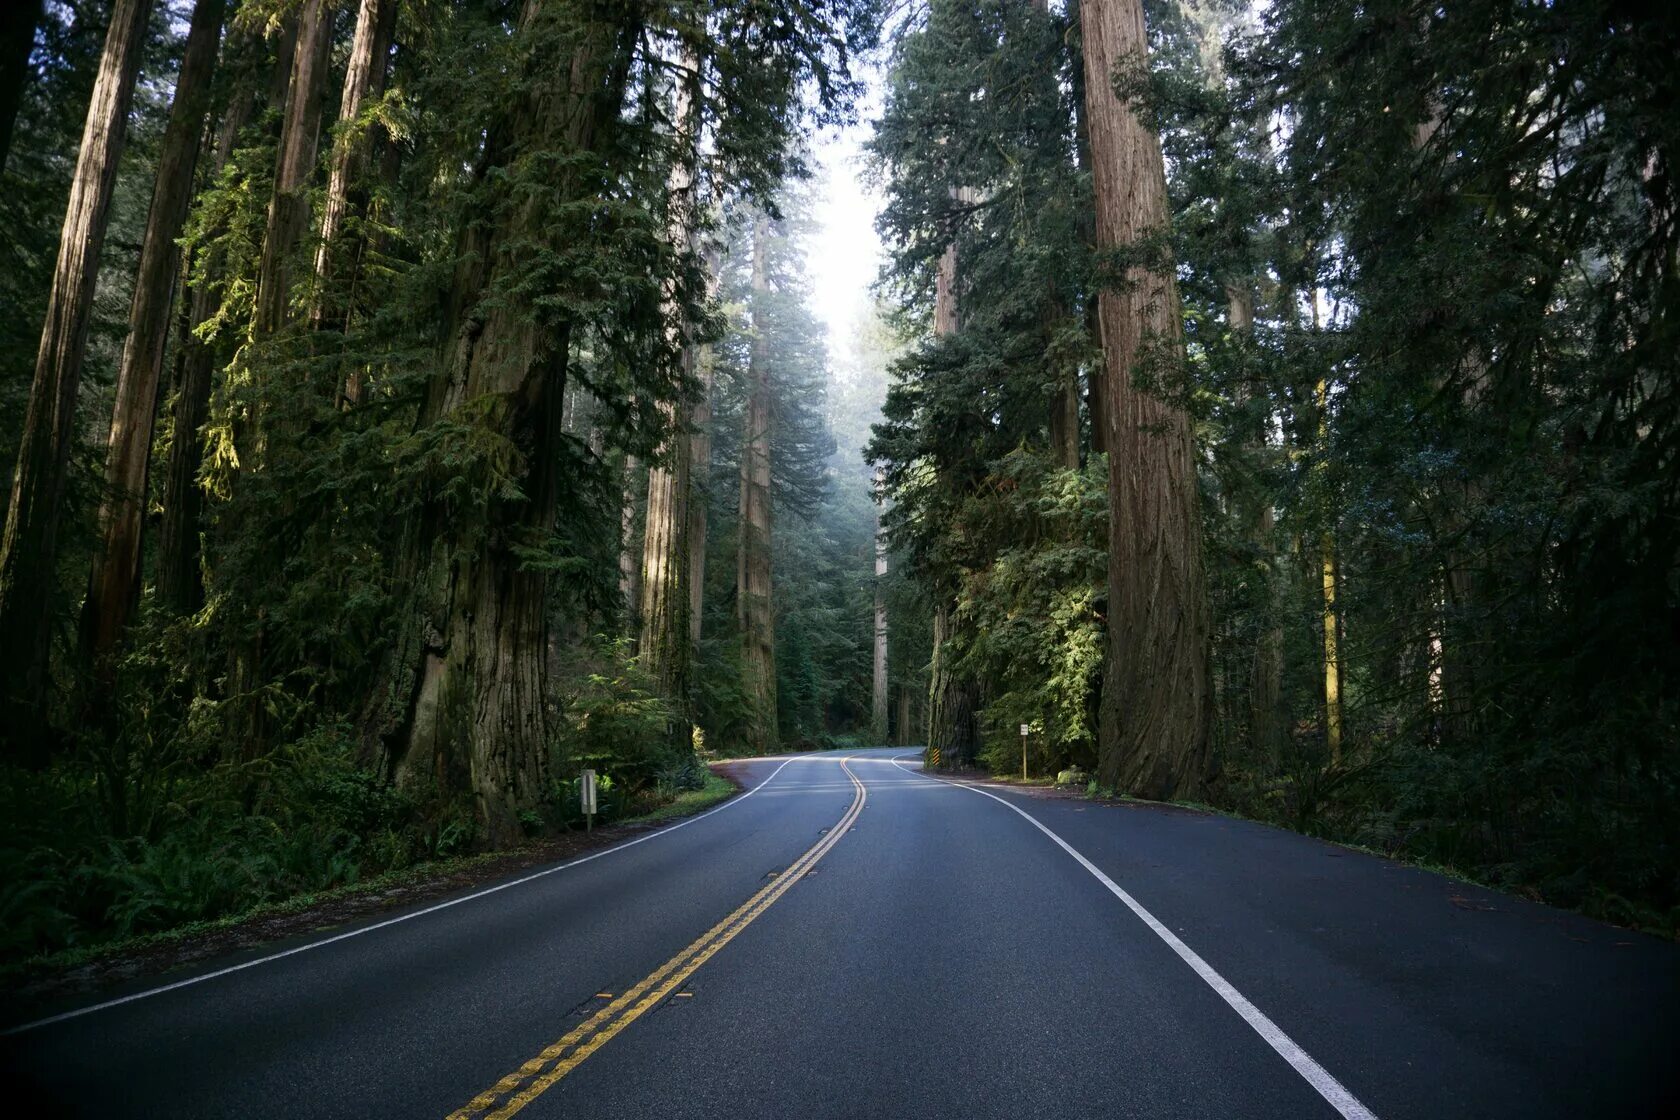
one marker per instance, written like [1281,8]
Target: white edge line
[1304,1064]
[294,950]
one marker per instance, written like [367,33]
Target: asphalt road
[887,945]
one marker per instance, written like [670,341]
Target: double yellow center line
[536,1076]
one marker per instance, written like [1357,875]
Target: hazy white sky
[845,255]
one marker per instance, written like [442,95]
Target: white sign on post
[586,793]
[1026,729]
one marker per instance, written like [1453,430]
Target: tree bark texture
[300,135]
[1153,737]
[1064,423]
[179,578]
[878,688]
[1328,578]
[28,547]
[700,468]
[953,699]
[1265,717]
[18,21]
[114,584]
[1095,396]
[664,645]
[629,552]
[753,576]
[288,223]
[364,82]
[1064,400]
[472,678]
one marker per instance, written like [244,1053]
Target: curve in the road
[1325,1083]
[534,1077]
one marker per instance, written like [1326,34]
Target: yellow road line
[529,1081]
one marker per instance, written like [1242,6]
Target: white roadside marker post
[1025,728]
[586,793]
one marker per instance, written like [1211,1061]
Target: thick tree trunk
[904,733]
[114,584]
[179,581]
[878,688]
[665,637]
[1267,725]
[287,225]
[472,677]
[700,470]
[1096,384]
[28,548]
[953,700]
[1328,580]
[1265,715]
[1153,739]
[364,82]
[1332,651]
[1330,626]
[1064,422]
[300,135]
[663,646]
[752,575]
[629,553]
[18,22]
[1064,400]
[1095,396]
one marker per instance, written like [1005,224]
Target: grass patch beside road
[690,801]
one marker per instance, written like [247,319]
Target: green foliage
[1462,249]
[978,143]
[242,752]
[822,541]
[211,842]
[614,720]
[1037,636]
[1428,300]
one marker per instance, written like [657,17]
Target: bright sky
[845,255]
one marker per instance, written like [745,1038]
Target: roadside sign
[586,794]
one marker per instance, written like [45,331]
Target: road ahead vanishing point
[850,938]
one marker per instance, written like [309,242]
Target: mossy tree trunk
[470,684]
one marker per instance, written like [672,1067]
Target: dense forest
[416,402]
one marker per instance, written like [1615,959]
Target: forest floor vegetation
[30,981]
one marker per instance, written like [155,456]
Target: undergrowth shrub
[78,865]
